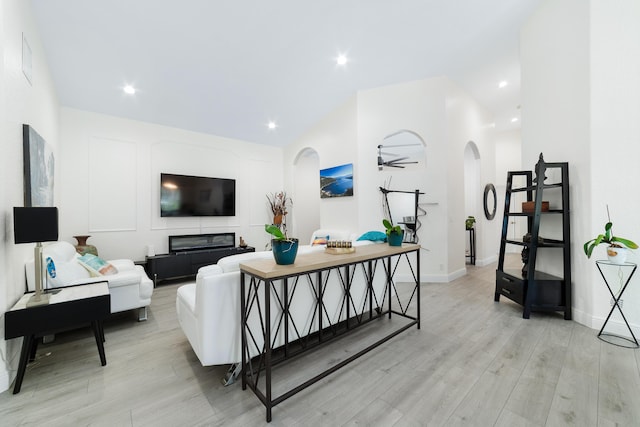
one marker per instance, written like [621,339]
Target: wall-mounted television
[184,195]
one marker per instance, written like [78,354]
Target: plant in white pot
[617,249]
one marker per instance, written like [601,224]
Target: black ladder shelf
[536,290]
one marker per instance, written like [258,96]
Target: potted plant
[395,233]
[469,222]
[617,249]
[284,248]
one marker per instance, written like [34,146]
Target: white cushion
[232,263]
[209,270]
[67,269]
[187,293]
[122,264]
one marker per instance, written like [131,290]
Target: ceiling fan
[397,162]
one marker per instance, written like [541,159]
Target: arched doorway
[306,204]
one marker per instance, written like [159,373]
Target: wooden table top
[313,261]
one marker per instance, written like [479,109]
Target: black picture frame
[38,169]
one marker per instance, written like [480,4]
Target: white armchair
[130,288]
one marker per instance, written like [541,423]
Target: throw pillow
[319,240]
[374,236]
[96,265]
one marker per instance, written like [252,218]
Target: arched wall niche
[306,204]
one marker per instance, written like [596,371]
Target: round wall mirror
[490,201]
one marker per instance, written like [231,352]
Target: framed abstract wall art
[38,169]
[336,181]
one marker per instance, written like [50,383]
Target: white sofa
[129,289]
[209,309]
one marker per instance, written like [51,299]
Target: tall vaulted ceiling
[228,68]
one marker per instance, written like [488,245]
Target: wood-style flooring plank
[473,362]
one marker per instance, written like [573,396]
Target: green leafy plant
[609,239]
[275,231]
[391,228]
[468,223]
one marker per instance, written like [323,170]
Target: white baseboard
[582,318]
[615,326]
[4,380]
[486,261]
[432,278]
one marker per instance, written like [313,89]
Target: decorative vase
[395,239]
[284,251]
[617,255]
[83,248]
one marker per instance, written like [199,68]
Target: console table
[69,307]
[269,282]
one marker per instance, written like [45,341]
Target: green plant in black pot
[284,248]
[395,233]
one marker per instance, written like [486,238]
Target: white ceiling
[228,67]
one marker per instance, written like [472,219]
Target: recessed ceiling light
[129,89]
[502,84]
[341,59]
[272,125]
[513,120]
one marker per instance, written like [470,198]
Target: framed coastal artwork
[38,169]
[336,181]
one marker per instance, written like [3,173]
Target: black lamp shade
[32,225]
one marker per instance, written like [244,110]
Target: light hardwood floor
[473,362]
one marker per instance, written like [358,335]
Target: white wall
[468,121]
[581,99]
[509,158]
[333,139]
[306,212]
[419,107]
[98,151]
[445,118]
[615,141]
[21,103]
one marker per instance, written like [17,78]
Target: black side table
[472,245]
[611,338]
[69,307]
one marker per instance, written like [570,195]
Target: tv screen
[184,195]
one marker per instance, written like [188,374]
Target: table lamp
[36,225]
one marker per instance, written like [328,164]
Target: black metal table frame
[472,246]
[616,300]
[32,323]
[266,360]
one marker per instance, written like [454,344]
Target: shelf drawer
[509,286]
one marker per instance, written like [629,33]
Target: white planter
[617,255]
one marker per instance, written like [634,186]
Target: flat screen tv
[184,195]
